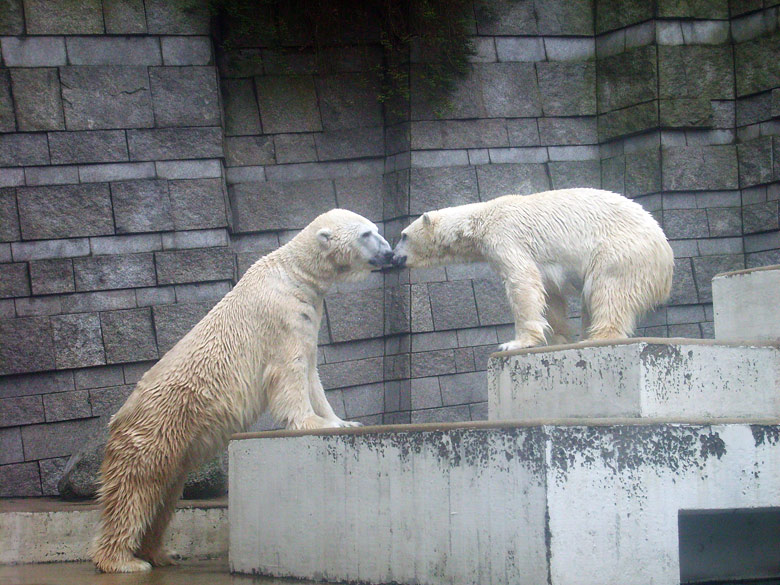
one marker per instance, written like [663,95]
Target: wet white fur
[255,349]
[546,244]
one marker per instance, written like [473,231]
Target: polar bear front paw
[518,344]
[349,423]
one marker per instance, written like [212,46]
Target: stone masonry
[142,171]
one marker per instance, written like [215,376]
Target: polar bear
[255,349]
[544,246]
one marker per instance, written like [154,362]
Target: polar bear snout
[399,261]
[382,259]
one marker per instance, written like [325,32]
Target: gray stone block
[185,96]
[176,17]
[172,322]
[114,271]
[148,297]
[175,143]
[569,49]
[128,335]
[65,17]
[140,50]
[51,175]
[693,9]
[434,340]
[183,266]
[492,304]
[563,17]
[459,134]
[760,217]
[352,373]
[52,276]
[37,98]
[197,204]
[705,267]
[452,305]
[511,90]
[201,291]
[124,16]
[356,315]
[426,393]
[755,161]
[528,49]
[724,221]
[464,388]
[611,15]
[567,88]
[51,471]
[20,480]
[30,306]
[67,405]
[432,363]
[125,244]
[77,340]
[565,131]
[50,249]
[422,318]
[700,168]
[7,116]
[141,206]
[26,385]
[683,285]
[570,174]
[241,113]
[350,143]
[434,188]
[9,217]
[465,99]
[698,71]
[249,150]
[441,415]
[523,132]
[397,309]
[22,410]
[118,172]
[348,100]
[503,179]
[88,147]
[33,51]
[98,301]
[106,401]
[686,113]
[643,172]
[288,104]
[188,169]
[15,281]
[18,150]
[186,50]
[362,195]
[685,223]
[363,400]
[294,148]
[268,206]
[99,377]
[58,439]
[505,17]
[11,446]
[464,360]
[755,65]
[351,350]
[195,239]
[106,96]
[11,17]
[59,211]
[627,79]
[754,109]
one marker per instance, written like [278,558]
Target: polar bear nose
[399,261]
[389,257]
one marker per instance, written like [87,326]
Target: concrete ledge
[644,377]
[745,304]
[44,530]
[574,504]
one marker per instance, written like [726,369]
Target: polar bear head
[437,238]
[350,242]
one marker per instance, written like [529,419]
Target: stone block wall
[142,172]
[114,237]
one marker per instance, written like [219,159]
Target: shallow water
[211,572]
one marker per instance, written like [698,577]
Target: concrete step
[746,304]
[641,377]
[44,530]
[561,502]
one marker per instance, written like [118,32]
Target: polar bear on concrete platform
[255,349]
[546,245]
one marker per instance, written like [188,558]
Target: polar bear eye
[365,235]
[403,237]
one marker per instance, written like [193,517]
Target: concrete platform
[745,304]
[561,502]
[44,530]
[641,377]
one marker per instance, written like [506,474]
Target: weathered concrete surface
[564,503]
[44,530]
[746,304]
[642,377]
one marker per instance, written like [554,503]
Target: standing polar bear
[546,244]
[256,349]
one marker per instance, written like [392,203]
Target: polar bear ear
[323,237]
[426,219]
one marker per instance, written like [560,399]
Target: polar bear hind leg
[560,331]
[612,306]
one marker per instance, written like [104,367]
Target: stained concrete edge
[746,271]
